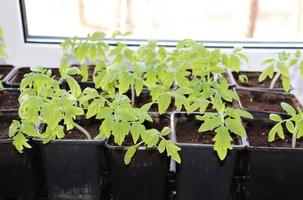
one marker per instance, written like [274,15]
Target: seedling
[281,65]
[294,124]
[121,119]
[42,102]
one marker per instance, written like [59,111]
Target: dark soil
[159,122]
[265,101]
[4,70]
[186,127]
[91,69]
[9,99]
[20,73]
[258,130]
[253,80]
[5,122]
[92,126]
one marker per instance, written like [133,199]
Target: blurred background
[219,20]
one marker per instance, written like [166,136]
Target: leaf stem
[85,132]
[294,139]
[274,80]
[133,95]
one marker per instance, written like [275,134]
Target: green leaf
[20,142]
[244,113]
[223,142]
[14,128]
[120,130]
[136,130]
[290,126]
[268,72]
[210,124]
[124,83]
[172,150]
[163,103]
[73,85]
[165,131]
[276,129]
[286,83]
[161,146]
[282,69]
[106,127]
[298,54]
[275,117]
[129,154]
[288,108]
[235,126]
[243,78]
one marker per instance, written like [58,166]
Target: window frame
[248,44]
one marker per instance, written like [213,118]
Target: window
[207,20]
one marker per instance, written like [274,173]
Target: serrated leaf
[136,131]
[276,129]
[223,142]
[286,83]
[14,128]
[163,103]
[106,127]
[165,131]
[161,146]
[210,124]
[235,126]
[20,142]
[129,154]
[74,86]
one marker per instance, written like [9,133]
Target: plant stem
[274,80]
[133,94]
[294,139]
[85,132]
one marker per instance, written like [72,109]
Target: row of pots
[250,171]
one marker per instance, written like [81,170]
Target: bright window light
[208,20]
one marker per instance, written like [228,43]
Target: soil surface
[5,123]
[91,126]
[91,69]
[258,130]
[253,80]
[186,127]
[265,101]
[4,70]
[20,73]
[9,99]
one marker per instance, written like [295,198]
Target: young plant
[2,51]
[44,103]
[281,66]
[224,122]
[294,124]
[243,79]
[120,120]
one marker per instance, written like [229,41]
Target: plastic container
[5,70]
[264,85]
[9,95]
[201,175]
[261,102]
[274,172]
[74,169]
[20,174]
[144,178]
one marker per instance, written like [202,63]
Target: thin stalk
[294,139]
[133,94]
[274,80]
[85,132]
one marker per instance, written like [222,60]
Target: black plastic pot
[146,177]
[9,96]
[264,85]
[20,174]
[274,172]
[261,102]
[201,175]
[15,77]
[4,72]
[74,169]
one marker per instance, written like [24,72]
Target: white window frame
[21,53]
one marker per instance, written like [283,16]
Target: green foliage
[294,124]
[43,102]
[223,123]
[281,65]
